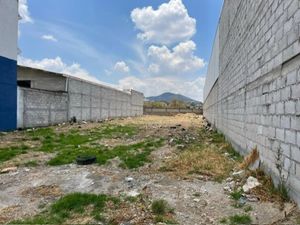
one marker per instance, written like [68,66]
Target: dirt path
[196,200]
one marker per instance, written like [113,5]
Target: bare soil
[196,199]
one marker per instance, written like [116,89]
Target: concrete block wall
[37,108]
[92,102]
[256,98]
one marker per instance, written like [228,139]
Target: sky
[153,46]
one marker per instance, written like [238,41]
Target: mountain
[168,97]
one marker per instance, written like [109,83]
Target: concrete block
[295,123]
[285,122]
[75,112]
[86,114]
[75,100]
[280,108]
[290,136]
[291,77]
[295,151]
[296,91]
[290,107]
[280,134]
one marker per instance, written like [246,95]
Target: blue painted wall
[8,94]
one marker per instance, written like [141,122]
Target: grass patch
[208,162]
[206,156]
[69,205]
[161,207]
[10,152]
[248,208]
[32,163]
[236,195]
[267,191]
[240,219]
[162,210]
[132,156]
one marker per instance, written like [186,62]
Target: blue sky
[164,47]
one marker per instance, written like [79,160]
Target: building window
[24,83]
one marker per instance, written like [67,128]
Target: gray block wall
[83,100]
[256,98]
[91,102]
[37,108]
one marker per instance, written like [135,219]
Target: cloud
[49,38]
[178,61]
[169,24]
[121,67]
[24,12]
[57,65]
[153,86]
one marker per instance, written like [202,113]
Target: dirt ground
[195,198]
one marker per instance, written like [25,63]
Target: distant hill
[168,97]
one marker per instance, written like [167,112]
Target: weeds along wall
[255,100]
[81,99]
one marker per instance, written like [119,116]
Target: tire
[86,160]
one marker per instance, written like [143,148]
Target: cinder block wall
[256,98]
[83,100]
[91,102]
[38,108]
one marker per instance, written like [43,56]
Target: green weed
[68,205]
[240,219]
[31,163]
[10,152]
[236,195]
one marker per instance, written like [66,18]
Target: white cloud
[178,61]
[169,24]
[57,65]
[49,38]
[121,67]
[153,86]
[24,12]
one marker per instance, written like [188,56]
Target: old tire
[86,160]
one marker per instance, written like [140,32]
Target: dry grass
[250,159]
[207,162]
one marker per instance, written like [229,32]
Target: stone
[238,173]
[9,170]
[133,193]
[251,183]
[196,200]
[181,147]
[129,179]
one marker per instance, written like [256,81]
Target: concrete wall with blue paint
[8,64]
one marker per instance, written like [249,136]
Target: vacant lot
[149,170]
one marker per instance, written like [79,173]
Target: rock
[242,201]
[181,147]
[251,198]
[251,183]
[238,173]
[129,179]
[9,170]
[232,184]
[133,193]
[196,200]
[229,179]
[171,141]
[26,169]
[227,189]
